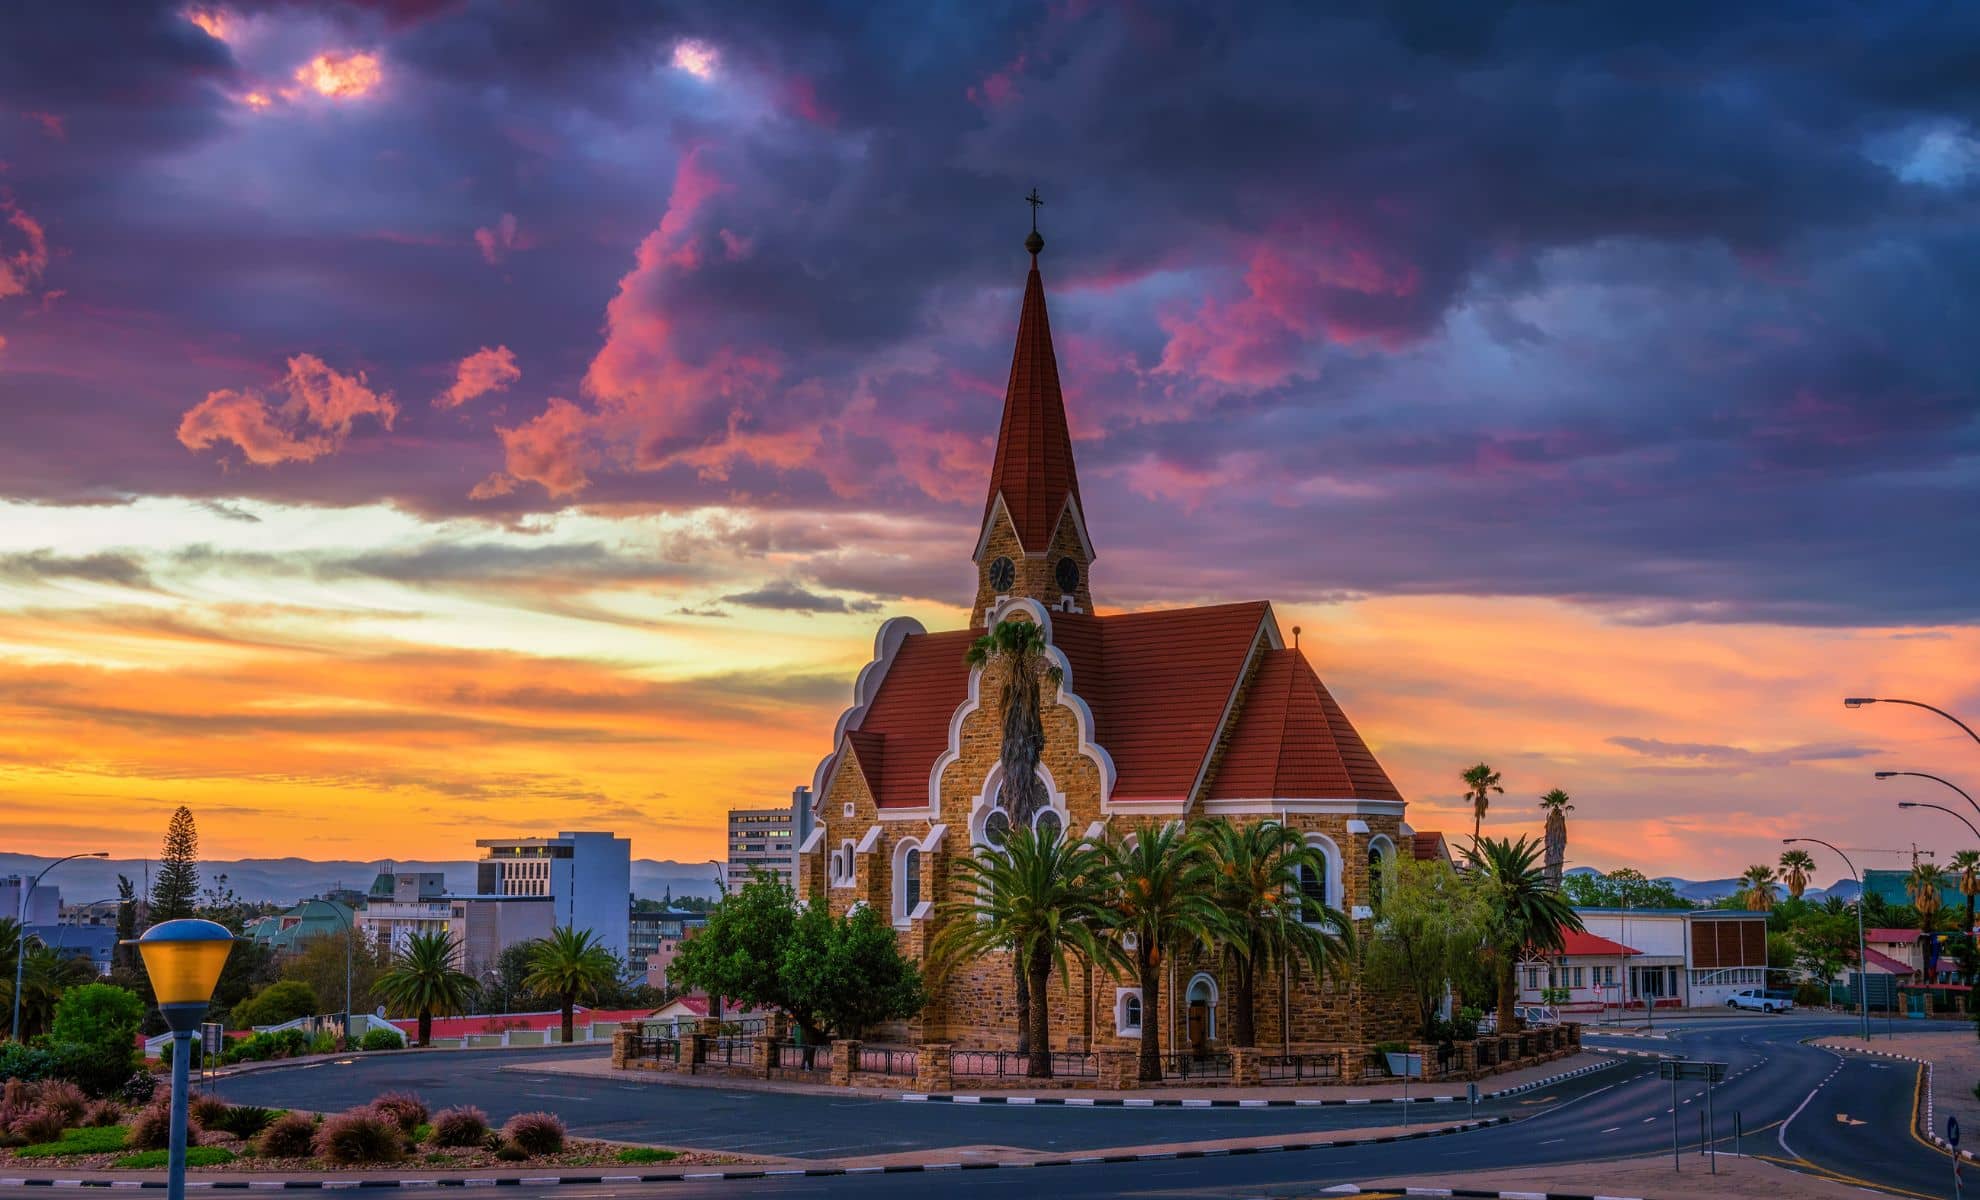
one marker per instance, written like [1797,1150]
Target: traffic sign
[1676,1069]
[1952,1129]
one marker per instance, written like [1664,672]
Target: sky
[435,419]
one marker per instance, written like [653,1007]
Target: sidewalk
[1741,1178]
[1431,1091]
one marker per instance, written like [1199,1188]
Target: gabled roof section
[1429,844]
[1033,468]
[1292,742]
[907,724]
[869,751]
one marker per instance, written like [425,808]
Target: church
[1180,714]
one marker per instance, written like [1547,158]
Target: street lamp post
[1862,959]
[1942,808]
[20,944]
[1935,779]
[183,959]
[1860,701]
[350,935]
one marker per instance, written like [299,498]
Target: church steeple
[1033,540]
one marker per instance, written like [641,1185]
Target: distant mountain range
[282,880]
[1705,891]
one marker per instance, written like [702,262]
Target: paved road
[1798,1105]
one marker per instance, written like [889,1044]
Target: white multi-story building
[44,906]
[407,903]
[587,878]
[402,904]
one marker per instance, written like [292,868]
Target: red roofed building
[1153,716]
[1586,969]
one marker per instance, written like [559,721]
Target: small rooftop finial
[1295,637]
[1034,243]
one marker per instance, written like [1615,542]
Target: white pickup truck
[1762,1000]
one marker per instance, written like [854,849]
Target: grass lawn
[647,1154]
[97,1140]
[196,1156]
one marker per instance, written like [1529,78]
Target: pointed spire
[1033,467]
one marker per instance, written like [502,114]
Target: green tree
[1824,944]
[1558,807]
[841,975]
[1756,888]
[1256,872]
[738,955]
[1624,887]
[100,1022]
[319,964]
[1528,916]
[1481,782]
[10,944]
[175,890]
[571,965]
[424,981]
[1966,865]
[1162,897]
[283,1000]
[1042,898]
[1021,644]
[1797,865]
[1432,922]
[502,988]
[124,956]
[47,975]
[250,967]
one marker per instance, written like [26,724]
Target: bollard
[1739,1136]
[1701,1135]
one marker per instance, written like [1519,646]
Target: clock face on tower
[1067,573]
[1003,573]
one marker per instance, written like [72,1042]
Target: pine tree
[124,954]
[175,893]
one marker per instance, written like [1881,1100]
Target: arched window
[907,882]
[1376,861]
[1047,825]
[1313,888]
[1127,1012]
[842,865]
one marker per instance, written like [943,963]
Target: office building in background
[760,840]
[587,876]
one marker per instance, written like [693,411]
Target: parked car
[1771,1000]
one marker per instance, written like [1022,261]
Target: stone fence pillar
[766,1052]
[845,1056]
[1119,1069]
[931,1068]
[1244,1066]
[778,1025]
[697,1052]
[622,1046]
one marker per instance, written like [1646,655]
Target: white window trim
[905,907]
[1205,977]
[986,801]
[1121,1027]
[1334,889]
[841,868]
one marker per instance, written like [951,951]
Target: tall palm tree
[1256,872]
[1966,864]
[1480,783]
[1021,644]
[1160,891]
[10,944]
[1042,898]
[1557,806]
[1796,868]
[1756,888]
[1529,915]
[424,981]
[1924,885]
[48,972]
[572,965]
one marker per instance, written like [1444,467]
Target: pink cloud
[999,87]
[486,370]
[21,270]
[51,124]
[497,240]
[552,449]
[313,421]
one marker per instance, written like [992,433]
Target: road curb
[1477,1192]
[757,1172]
[1930,1132]
[1274,1102]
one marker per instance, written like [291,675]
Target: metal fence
[661,1049]
[1374,1066]
[1188,1065]
[789,1056]
[1299,1068]
[729,1051]
[886,1060]
[1009,1064]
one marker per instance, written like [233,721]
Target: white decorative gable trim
[812,842]
[1357,825]
[997,509]
[867,843]
[886,643]
[1265,806]
[933,837]
[1266,635]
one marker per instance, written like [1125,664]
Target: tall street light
[1860,701]
[1942,808]
[1935,779]
[20,945]
[1862,960]
[183,959]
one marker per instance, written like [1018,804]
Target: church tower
[1033,541]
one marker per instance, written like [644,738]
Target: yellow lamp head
[184,959]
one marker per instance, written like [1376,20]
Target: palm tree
[1529,915]
[1796,867]
[1480,781]
[48,972]
[1160,891]
[1756,888]
[424,981]
[1256,873]
[1966,864]
[571,965]
[1557,806]
[1924,885]
[1020,643]
[10,945]
[1041,898]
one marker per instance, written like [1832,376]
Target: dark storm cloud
[790,597]
[40,565]
[1664,310]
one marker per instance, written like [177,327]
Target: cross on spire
[1034,202]
[1034,242]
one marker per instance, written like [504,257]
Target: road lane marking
[1612,1129]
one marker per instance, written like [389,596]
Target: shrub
[39,1124]
[64,1098]
[77,1142]
[260,1047]
[536,1133]
[151,1128]
[359,1135]
[206,1110]
[463,1126]
[244,1121]
[196,1156]
[404,1107]
[647,1154]
[138,1090]
[103,1114]
[382,1039]
[291,1135]
[510,1152]
[93,1033]
[281,1001]
[1466,1022]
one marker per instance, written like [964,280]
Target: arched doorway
[1200,1026]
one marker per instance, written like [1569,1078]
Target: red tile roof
[1293,742]
[1583,942]
[1033,468]
[1906,936]
[1429,844]
[907,725]
[1885,962]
